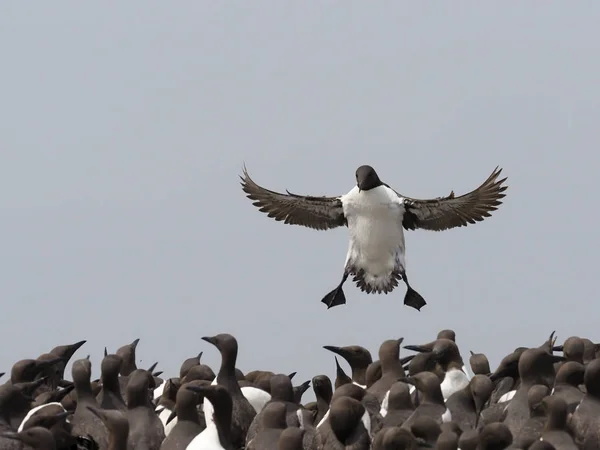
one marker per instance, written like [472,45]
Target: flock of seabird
[538,398]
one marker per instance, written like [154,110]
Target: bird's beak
[209,339]
[417,348]
[336,350]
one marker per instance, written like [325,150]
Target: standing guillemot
[376,216]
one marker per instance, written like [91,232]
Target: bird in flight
[376,216]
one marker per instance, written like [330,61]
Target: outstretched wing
[319,213]
[443,213]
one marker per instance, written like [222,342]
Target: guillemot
[376,216]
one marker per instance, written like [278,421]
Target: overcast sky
[124,128]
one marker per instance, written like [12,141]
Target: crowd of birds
[545,397]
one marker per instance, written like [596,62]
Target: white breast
[375,227]
[447,416]
[257,398]
[163,417]
[507,397]
[384,404]
[207,439]
[366,420]
[386,401]
[158,391]
[454,380]
[36,409]
[468,372]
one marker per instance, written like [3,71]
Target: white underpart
[36,409]
[207,406]
[447,416]
[257,398]
[384,404]
[158,391]
[454,380]
[300,418]
[366,420]
[468,372]
[323,419]
[386,401]
[164,416]
[208,439]
[376,234]
[507,397]
[164,413]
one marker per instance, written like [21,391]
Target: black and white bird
[376,216]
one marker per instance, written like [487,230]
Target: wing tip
[493,183]
[495,174]
[245,180]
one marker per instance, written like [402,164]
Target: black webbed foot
[414,299]
[335,298]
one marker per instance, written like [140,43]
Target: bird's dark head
[367,178]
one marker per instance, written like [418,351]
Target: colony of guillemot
[537,398]
[376,216]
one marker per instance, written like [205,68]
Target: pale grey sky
[124,128]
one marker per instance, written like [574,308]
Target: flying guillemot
[376,216]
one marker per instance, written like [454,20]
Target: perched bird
[376,217]
[553,403]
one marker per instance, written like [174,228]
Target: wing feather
[319,213]
[444,213]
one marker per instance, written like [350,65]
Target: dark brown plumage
[319,213]
[323,213]
[444,213]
